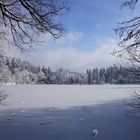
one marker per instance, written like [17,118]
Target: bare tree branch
[25,18]
[135,104]
[3,96]
[129,34]
[130,3]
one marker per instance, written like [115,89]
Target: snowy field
[68,112]
[64,96]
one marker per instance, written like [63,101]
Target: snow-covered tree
[89,76]
[102,76]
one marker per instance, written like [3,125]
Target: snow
[64,96]
[95,132]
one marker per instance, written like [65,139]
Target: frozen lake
[68,112]
[65,96]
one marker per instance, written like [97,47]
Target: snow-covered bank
[63,96]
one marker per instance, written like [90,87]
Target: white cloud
[67,39]
[70,37]
[70,57]
[64,53]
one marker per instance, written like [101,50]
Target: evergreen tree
[89,76]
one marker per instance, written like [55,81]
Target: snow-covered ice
[30,119]
[63,96]
[95,132]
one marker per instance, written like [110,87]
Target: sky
[88,39]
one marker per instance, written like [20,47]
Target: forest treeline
[15,71]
